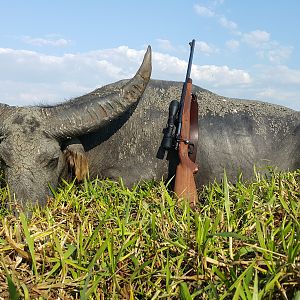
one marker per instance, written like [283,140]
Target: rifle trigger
[191,148]
[188,142]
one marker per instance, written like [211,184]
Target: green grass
[101,240]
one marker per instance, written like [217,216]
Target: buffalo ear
[76,160]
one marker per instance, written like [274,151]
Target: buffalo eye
[5,156]
[2,163]
[52,163]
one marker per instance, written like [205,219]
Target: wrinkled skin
[234,135]
[32,166]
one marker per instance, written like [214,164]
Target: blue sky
[53,50]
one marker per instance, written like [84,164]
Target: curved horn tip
[146,66]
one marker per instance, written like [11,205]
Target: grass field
[101,240]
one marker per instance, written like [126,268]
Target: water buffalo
[116,131]
[234,135]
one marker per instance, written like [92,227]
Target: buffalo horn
[92,111]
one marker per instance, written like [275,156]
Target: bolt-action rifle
[181,133]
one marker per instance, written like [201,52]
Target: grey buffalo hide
[234,135]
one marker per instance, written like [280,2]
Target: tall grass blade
[184,292]
[100,251]
[101,240]
[30,242]
[13,292]
[227,205]
[255,287]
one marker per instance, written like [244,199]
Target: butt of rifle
[185,186]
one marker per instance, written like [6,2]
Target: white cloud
[165,64]
[288,98]
[269,92]
[279,53]
[217,2]
[31,75]
[279,75]
[49,41]
[220,75]
[201,46]
[169,67]
[34,93]
[256,38]
[227,23]
[28,77]
[267,48]
[165,44]
[205,47]
[233,45]
[276,84]
[203,11]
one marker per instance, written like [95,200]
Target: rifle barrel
[188,74]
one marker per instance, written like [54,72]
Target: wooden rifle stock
[185,186]
[186,137]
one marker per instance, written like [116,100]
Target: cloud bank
[52,41]
[29,77]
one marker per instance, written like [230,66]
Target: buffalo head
[34,147]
